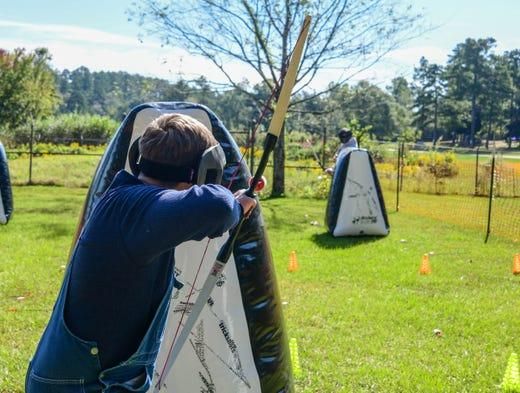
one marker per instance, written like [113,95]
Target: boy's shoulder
[123,178]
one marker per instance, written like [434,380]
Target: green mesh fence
[451,186]
[454,186]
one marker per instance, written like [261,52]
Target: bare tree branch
[348,35]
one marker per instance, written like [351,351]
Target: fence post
[323,143]
[488,230]
[31,151]
[402,167]
[513,172]
[476,172]
[398,176]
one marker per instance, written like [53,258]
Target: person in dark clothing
[107,324]
[348,140]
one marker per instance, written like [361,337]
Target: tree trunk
[473,121]
[279,166]
[435,120]
[488,137]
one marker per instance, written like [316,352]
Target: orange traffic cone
[293,262]
[516,264]
[425,265]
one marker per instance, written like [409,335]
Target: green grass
[34,250]
[465,211]
[361,313]
[508,156]
[364,317]
[61,170]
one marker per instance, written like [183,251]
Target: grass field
[62,170]
[362,315]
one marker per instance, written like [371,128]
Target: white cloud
[399,62]
[73,46]
[68,33]
[411,56]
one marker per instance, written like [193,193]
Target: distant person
[107,323]
[348,140]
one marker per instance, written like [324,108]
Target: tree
[27,87]
[109,93]
[235,109]
[346,34]
[400,90]
[402,94]
[513,124]
[467,70]
[498,87]
[375,109]
[428,89]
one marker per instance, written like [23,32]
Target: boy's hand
[247,203]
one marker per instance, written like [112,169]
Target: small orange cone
[425,265]
[293,262]
[516,264]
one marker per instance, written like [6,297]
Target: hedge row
[66,129]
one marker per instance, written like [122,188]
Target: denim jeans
[64,362]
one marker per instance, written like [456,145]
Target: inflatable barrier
[6,196]
[238,343]
[356,206]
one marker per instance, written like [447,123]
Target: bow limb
[282,104]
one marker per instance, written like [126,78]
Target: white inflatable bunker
[356,206]
[238,343]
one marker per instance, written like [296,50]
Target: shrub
[442,165]
[67,128]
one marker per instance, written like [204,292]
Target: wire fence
[475,189]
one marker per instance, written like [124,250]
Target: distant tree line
[114,93]
[471,100]
[474,97]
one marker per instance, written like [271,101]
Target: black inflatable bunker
[6,196]
[238,343]
[356,206]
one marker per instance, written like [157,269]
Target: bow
[275,127]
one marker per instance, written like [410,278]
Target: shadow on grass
[49,210]
[280,220]
[53,230]
[326,240]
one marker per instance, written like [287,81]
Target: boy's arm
[179,216]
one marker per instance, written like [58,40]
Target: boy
[106,327]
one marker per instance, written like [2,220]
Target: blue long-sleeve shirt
[119,270]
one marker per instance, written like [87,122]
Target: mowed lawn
[363,317]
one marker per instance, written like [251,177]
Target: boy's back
[124,258]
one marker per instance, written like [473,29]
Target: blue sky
[98,35]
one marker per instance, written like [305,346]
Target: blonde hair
[175,139]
